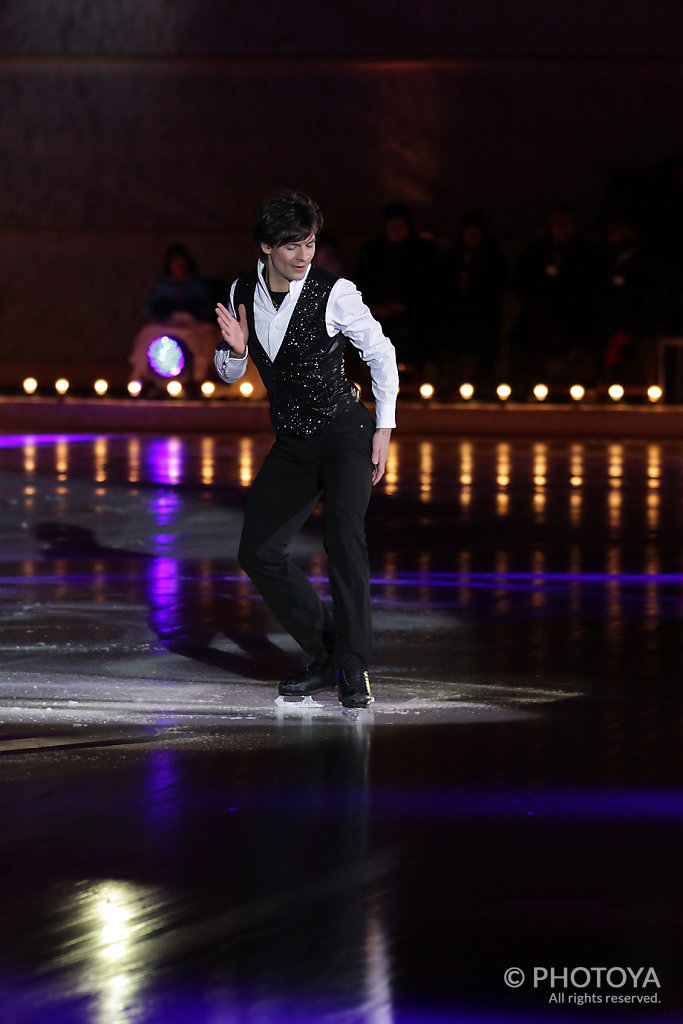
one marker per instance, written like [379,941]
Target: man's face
[288,262]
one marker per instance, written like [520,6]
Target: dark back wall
[126,126]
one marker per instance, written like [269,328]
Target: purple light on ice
[165,356]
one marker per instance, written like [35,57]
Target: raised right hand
[235,332]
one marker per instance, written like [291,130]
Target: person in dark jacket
[632,307]
[557,282]
[180,289]
[473,274]
[395,272]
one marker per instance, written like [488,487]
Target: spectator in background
[396,274]
[632,308]
[557,282]
[180,304]
[180,289]
[474,275]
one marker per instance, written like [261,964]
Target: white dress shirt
[345,312]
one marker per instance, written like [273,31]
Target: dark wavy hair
[287,217]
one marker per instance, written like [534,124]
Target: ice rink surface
[498,838]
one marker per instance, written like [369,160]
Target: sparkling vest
[306,382]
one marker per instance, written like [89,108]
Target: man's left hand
[380,451]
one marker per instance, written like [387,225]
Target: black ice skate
[354,688]
[318,676]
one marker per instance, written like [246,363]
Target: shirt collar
[294,286]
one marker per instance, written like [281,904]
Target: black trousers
[336,465]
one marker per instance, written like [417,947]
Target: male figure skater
[294,320]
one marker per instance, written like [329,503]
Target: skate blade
[359,707]
[298,703]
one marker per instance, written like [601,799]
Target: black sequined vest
[306,382]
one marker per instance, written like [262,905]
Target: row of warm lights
[101,386]
[504,391]
[175,388]
[541,392]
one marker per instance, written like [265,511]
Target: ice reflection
[125,940]
[575,508]
[391,473]
[614,621]
[165,460]
[29,499]
[62,458]
[29,456]
[62,501]
[107,918]
[246,461]
[652,560]
[538,591]
[208,460]
[540,465]
[465,501]
[426,470]
[390,570]
[378,1007]
[425,562]
[615,464]
[165,507]
[614,505]
[466,464]
[503,471]
[503,464]
[502,591]
[165,597]
[133,455]
[101,454]
[539,500]
[99,581]
[654,465]
[576,465]
[464,591]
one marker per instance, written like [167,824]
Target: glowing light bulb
[30,385]
[466,391]
[577,391]
[62,385]
[134,387]
[246,389]
[427,390]
[101,386]
[654,393]
[503,391]
[540,392]
[174,388]
[616,392]
[208,388]
[166,357]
